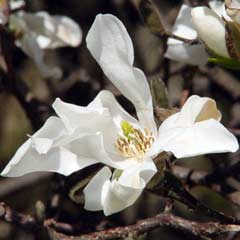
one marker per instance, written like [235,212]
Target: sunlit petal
[111,46]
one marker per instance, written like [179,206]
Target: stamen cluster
[134,142]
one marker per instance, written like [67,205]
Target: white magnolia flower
[202,22]
[103,132]
[41,31]
[178,50]
[195,130]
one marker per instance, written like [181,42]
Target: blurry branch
[171,187]
[34,109]
[168,220]
[200,177]
[11,216]
[235,131]
[9,186]
[56,229]
[223,79]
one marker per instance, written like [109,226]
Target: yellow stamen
[134,142]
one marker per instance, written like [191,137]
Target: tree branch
[35,109]
[26,222]
[146,225]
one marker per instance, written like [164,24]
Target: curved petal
[103,114]
[180,51]
[49,31]
[93,116]
[111,46]
[116,195]
[203,138]
[58,160]
[91,149]
[198,109]
[62,31]
[107,100]
[93,191]
[29,45]
[214,36]
[39,154]
[178,127]
[185,53]
[145,169]
[122,193]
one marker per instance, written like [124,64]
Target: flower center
[133,142]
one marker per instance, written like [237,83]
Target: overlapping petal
[111,46]
[214,36]
[114,195]
[41,31]
[49,31]
[36,154]
[179,51]
[32,49]
[195,130]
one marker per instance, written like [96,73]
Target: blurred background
[82,79]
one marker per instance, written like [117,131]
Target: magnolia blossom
[206,23]
[39,31]
[103,132]
[178,50]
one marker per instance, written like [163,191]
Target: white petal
[90,149]
[185,53]
[168,131]
[180,51]
[213,36]
[16,4]
[30,46]
[75,117]
[183,26]
[178,127]
[219,8]
[42,145]
[28,157]
[111,46]
[122,193]
[101,117]
[50,31]
[93,191]
[103,114]
[28,160]
[68,31]
[117,197]
[198,109]
[145,170]
[106,100]
[203,138]
[53,129]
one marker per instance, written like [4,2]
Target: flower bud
[212,37]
